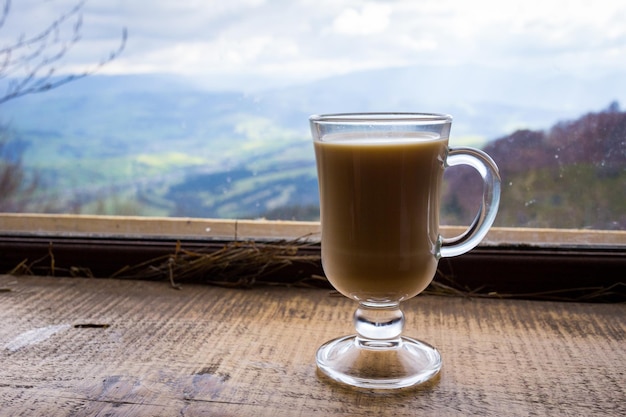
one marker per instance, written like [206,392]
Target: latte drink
[379,202]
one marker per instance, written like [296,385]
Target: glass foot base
[377,364]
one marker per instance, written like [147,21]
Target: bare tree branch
[5,12]
[37,56]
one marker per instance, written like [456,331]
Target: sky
[250,43]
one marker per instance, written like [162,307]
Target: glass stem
[378,325]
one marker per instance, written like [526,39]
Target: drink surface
[379,200]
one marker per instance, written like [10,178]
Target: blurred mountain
[572,175]
[485,101]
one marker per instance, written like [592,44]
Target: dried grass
[247,264]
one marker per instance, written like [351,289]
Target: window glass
[199,108]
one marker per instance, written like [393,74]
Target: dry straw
[245,264]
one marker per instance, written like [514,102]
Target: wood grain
[87,347]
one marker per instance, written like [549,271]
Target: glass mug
[380,177]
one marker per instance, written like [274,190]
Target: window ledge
[69,225]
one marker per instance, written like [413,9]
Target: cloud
[308,39]
[221,54]
[371,19]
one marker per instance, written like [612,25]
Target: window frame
[510,262]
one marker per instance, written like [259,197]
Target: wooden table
[74,347]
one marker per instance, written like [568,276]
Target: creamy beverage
[379,200]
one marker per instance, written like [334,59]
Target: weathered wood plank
[111,347]
[189,228]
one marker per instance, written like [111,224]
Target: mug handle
[488,170]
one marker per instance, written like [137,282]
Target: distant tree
[30,65]
[15,188]
[613,107]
